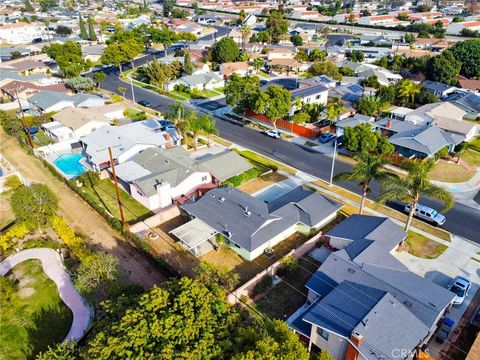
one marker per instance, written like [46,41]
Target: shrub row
[76,244]
[243,177]
[17,231]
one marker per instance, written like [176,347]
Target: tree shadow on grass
[48,327]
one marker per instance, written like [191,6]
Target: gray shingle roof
[263,223]
[425,140]
[46,99]
[225,164]
[308,91]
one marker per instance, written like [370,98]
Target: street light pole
[131,86]
[333,162]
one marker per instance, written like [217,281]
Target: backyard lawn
[423,247]
[266,161]
[472,157]
[135,114]
[282,300]
[104,193]
[450,172]
[32,315]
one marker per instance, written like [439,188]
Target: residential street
[462,220]
[139,268]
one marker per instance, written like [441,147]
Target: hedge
[76,244]
[17,231]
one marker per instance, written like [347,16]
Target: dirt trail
[79,215]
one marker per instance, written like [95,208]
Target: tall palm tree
[412,187]
[258,62]
[194,124]
[209,126]
[246,32]
[176,113]
[368,169]
[407,91]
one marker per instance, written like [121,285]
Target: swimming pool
[69,164]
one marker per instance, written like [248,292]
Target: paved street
[462,220]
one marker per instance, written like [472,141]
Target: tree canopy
[240,92]
[69,58]
[81,84]
[468,53]
[277,25]
[362,138]
[443,68]
[225,51]
[325,68]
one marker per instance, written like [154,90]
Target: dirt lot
[262,182]
[79,215]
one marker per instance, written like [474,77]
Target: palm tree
[246,32]
[335,109]
[412,187]
[176,113]
[407,91]
[209,126]
[368,169]
[194,124]
[314,110]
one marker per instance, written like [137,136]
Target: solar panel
[355,88]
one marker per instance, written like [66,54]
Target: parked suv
[428,214]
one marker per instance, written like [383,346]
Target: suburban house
[326,81]
[438,89]
[7,51]
[353,121]
[416,141]
[456,28]
[365,304]
[280,53]
[93,52]
[81,121]
[468,84]
[22,32]
[50,101]
[25,89]
[385,20]
[158,177]
[312,94]
[26,67]
[58,132]
[445,115]
[468,102]
[126,141]
[199,80]
[241,68]
[249,225]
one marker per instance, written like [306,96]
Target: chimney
[388,124]
[356,339]
[169,139]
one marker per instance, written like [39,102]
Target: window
[323,333]
[204,178]
[317,97]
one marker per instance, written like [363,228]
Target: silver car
[460,287]
[428,214]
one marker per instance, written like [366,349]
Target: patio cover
[194,232]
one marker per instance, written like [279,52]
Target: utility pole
[333,162]
[27,129]
[112,164]
[131,86]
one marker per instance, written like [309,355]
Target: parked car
[263,82]
[273,134]
[145,103]
[165,124]
[460,287]
[325,138]
[428,214]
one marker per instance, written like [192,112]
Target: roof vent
[227,233]
[247,213]
[222,199]
[212,194]
[350,270]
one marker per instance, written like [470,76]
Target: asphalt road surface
[461,219]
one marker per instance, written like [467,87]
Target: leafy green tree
[168,7]
[15,55]
[246,32]
[325,68]
[317,55]
[371,81]
[457,19]
[10,123]
[362,138]
[89,179]
[276,341]
[275,102]
[468,53]
[159,74]
[443,68]
[34,204]
[402,17]
[183,319]
[12,182]
[83,29]
[300,118]
[409,38]
[386,94]
[335,109]
[258,63]
[296,40]
[369,168]
[81,84]
[46,5]
[99,77]
[356,56]
[213,275]
[97,275]
[425,97]
[68,57]
[241,91]
[188,67]
[262,37]
[368,105]
[423,34]
[63,30]
[412,187]
[224,51]
[277,26]
[324,355]
[27,6]
[314,111]
[92,36]
[63,351]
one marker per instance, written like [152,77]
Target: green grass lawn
[423,247]
[135,114]
[472,157]
[450,173]
[32,315]
[133,211]
[475,144]
[266,161]
[263,74]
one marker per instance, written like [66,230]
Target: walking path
[53,267]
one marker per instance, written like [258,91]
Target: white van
[428,214]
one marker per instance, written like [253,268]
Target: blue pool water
[69,164]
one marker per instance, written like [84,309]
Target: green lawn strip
[266,161]
[472,157]
[135,114]
[33,316]
[263,74]
[475,144]
[175,95]
[424,247]
[220,140]
[104,192]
